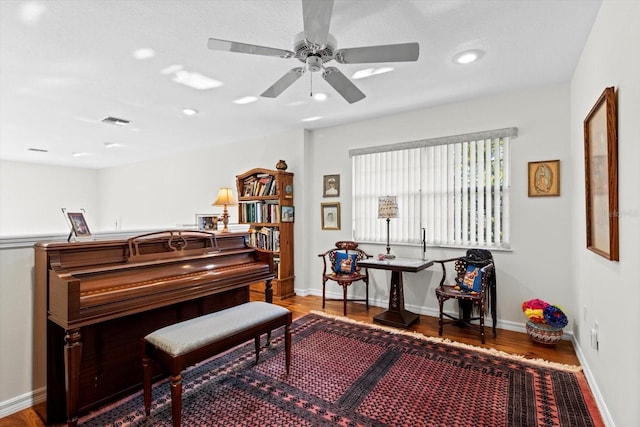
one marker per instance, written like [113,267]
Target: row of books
[259,185]
[267,238]
[260,211]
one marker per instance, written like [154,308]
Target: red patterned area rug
[345,373]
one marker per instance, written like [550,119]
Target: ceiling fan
[315,47]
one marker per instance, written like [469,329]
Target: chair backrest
[479,258]
[346,247]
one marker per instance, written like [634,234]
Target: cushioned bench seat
[183,344]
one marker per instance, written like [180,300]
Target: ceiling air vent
[39,150]
[115,121]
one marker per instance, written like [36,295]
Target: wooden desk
[396,315]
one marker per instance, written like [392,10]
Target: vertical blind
[456,188]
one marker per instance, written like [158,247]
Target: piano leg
[72,358]
[268,291]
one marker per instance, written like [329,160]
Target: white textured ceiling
[70,64]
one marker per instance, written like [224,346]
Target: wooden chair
[471,305]
[340,264]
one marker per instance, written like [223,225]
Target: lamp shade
[225,198]
[387,207]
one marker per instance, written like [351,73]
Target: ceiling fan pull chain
[311,85]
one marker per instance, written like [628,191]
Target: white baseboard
[19,403]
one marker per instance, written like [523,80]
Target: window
[456,189]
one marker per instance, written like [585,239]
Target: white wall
[537,266]
[32,196]
[608,289]
[169,192]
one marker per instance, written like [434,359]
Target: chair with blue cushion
[473,286]
[340,264]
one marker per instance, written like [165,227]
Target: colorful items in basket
[545,321]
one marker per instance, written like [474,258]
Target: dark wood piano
[102,297]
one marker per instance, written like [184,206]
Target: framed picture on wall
[206,222]
[544,178]
[601,176]
[331,186]
[330,213]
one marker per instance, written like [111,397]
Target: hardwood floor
[507,341]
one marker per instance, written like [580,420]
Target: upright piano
[101,297]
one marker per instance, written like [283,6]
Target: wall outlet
[595,336]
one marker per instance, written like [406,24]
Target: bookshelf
[263,196]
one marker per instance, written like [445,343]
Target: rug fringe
[491,351]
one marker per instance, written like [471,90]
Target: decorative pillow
[472,280]
[345,263]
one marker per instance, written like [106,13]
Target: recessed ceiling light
[195,80]
[80,154]
[144,53]
[245,100]
[31,12]
[468,56]
[320,96]
[172,69]
[113,145]
[189,111]
[368,72]
[312,119]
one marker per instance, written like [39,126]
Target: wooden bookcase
[265,201]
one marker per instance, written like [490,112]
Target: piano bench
[184,344]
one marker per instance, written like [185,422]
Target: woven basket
[543,333]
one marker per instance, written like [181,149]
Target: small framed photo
[544,178]
[601,176]
[287,214]
[331,186]
[330,213]
[206,222]
[79,224]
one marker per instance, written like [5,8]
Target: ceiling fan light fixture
[468,56]
[314,63]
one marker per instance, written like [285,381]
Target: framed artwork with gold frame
[544,178]
[330,214]
[601,176]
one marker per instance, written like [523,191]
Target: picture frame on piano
[206,222]
[79,225]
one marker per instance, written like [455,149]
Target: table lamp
[388,208]
[225,198]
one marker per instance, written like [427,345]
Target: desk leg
[396,315]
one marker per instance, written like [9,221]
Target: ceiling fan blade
[229,46]
[343,85]
[317,18]
[285,81]
[403,52]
